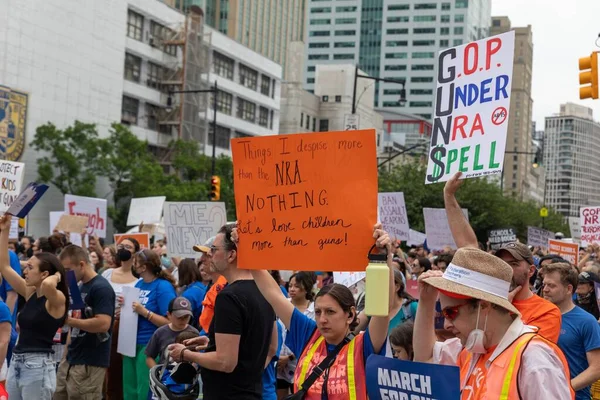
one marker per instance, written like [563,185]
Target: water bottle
[377,290]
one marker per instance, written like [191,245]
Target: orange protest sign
[142,238]
[306,201]
[568,251]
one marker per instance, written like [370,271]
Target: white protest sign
[14,229]
[575,228]
[145,209]
[188,224]
[415,238]
[11,180]
[54,218]
[471,109]
[348,278]
[128,323]
[391,212]
[590,225]
[94,209]
[538,237]
[437,228]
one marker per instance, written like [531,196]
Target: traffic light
[588,76]
[215,188]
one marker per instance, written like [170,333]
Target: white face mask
[474,343]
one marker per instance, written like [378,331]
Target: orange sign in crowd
[142,238]
[306,201]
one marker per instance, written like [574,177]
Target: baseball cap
[205,248]
[588,277]
[180,307]
[518,250]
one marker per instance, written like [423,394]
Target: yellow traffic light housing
[588,75]
[215,188]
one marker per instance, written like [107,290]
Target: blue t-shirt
[155,296]
[270,375]
[406,312]
[195,293]
[302,328]
[579,333]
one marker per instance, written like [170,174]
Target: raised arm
[378,326]
[14,279]
[424,331]
[463,234]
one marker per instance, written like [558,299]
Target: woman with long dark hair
[32,373]
[192,288]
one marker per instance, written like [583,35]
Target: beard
[520,279]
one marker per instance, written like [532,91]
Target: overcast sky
[563,31]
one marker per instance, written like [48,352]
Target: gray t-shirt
[162,337]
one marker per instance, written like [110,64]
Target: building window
[392,104]
[248,77]
[458,30]
[307,122]
[320,10]
[319,33]
[265,85]
[324,125]
[223,65]
[345,33]
[301,119]
[446,6]
[459,18]
[159,33]
[461,4]
[421,67]
[397,31]
[318,45]
[445,18]
[457,42]
[155,75]
[444,31]
[263,117]
[318,56]
[129,110]
[344,44]
[398,7]
[224,102]
[423,42]
[343,56]
[424,18]
[423,30]
[444,43]
[344,21]
[246,110]
[420,104]
[271,121]
[392,91]
[395,55]
[320,22]
[396,43]
[421,79]
[135,25]
[222,137]
[132,67]
[338,99]
[423,55]
[314,129]
[152,117]
[345,9]
[395,67]
[310,80]
[325,99]
[418,92]
[312,68]
[496,23]
[398,19]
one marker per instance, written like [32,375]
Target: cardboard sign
[568,251]
[11,175]
[306,201]
[389,378]
[392,214]
[54,218]
[348,278]
[415,238]
[437,228]
[72,223]
[145,209]
[189,224]
[471,109]
[590,225]
[94,209]
[142,238]
[538,237]
[575,228]
[500,237]
[128,323]
[27,199]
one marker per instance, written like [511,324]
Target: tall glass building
[397,39]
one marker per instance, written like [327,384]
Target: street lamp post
[398,81]
[215,92]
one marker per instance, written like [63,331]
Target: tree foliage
[488,207]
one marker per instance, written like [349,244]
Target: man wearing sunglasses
[499,357]
[535,311]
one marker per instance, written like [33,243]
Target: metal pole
[502,181]
[354,90]
[214,125]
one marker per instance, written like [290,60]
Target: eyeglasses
[214,248]
[451,312]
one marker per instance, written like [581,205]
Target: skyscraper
[392,39]
[517,164]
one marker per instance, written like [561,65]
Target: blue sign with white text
[27,199]
[391,379]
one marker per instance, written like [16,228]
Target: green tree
[70,160]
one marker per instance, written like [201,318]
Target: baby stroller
[181,374]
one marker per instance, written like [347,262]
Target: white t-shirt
[117,287]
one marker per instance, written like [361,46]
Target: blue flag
[391,379]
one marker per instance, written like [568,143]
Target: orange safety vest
[346,379]
[502,375]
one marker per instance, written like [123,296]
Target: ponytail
[167,277]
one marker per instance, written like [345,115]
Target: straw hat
[479,275]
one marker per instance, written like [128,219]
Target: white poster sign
[11,180]
[392,214]
[538,237]
[437,228]
[145,209]
[188,224]
[94,209]
[348,278]
[575,228]
[415,238]
[471,109]
[590,225]
[14,229]
[128,323]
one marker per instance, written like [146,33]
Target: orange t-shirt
[542,314]
[208,305]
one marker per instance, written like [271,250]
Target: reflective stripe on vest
[350,370]
[511,367]
[307,359]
